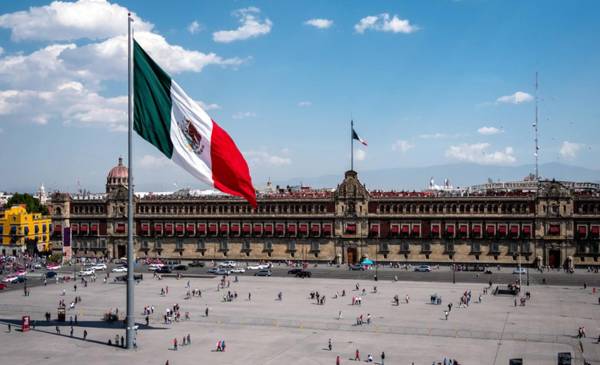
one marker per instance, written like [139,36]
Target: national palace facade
[546,222]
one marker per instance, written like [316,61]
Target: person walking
[84,335]
[206,312]
[338,361]
[382,357]
[249,296]
[329,345]
[357,353]
[57,330]
[189,339]
[9,328]
[446,314]
[71,332]
[175,344]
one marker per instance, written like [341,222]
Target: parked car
[123,278]
[154,267]
[87,272]
[50,274]
[99,267]
[119,269]
[238,270]
[180,267]
[303,274]
[520,270]
[212,270]
[423,268]
[228,264]
[196,264]
[356,267]
[222,271]
[564,358]
[294,271]
[10,279]
[263,272]
[164,270]
[3,286]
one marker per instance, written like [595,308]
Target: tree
[31,203]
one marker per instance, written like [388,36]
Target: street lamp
[453,264]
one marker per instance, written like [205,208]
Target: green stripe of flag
[152,89]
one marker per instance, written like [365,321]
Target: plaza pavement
[295,330]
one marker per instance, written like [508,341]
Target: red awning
[279,228]
[291,228]
[405,228]
[527,230]
[257,228]
[212,227]
[464,228]
[190,228]
[554,229]
[94,227]
[450,229]
[582,230]
[374,228]
[84,227]
[201,228]
[269,228]
[235,228]
[120,227]
[502,229]
[246,228]
[145,227]
[303,228]
[224,228]
[595,231]
[395,228]
[315,228]
[327,228]
[179,228]
[416,229]
[75,228]
[58,228]
[514,229]
[476,229]
[435,228]
[351,228]
[158,227]
[490,229]
[169,228]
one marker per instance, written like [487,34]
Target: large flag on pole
[356,137]
[175,124]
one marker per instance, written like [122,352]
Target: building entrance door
[121,251]
[554,258]
[352,255]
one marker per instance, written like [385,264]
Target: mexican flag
[175,124]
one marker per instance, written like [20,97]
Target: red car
[2,286]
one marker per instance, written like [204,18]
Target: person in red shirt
[357,355]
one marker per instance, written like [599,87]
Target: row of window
[455,208]
[231,209]
[18,230]
[236,229]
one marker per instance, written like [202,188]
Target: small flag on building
[356,137]
[175,124]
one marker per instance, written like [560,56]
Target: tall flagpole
[351,145]
[130,333]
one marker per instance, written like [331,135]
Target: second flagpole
[351,145]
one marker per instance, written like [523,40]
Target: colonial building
[19,229]
[539,222]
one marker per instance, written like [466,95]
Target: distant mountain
[464,174]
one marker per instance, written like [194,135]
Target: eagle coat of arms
[193,137]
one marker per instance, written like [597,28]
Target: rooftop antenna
[535,129]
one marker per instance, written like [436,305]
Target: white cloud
[250,27]
[517,98]
[402,146]
[304,104]
[194,27]
[1,51]
[438,136]
[264,158]
[360,155]
[384,23]
[319,23]
[70,103]
[568,150]
[208,106]
[149,161]
[478,153]
[64,21]
[243,115]
[488,131]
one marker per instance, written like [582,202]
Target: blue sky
[427,83]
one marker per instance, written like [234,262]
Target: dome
[118,172]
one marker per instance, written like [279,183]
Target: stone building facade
[556,224]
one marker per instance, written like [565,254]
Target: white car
[53,267]
[521,270]
[120,269]
[87,272]
[154,267]
[11,279]
[238,270]
[99,267]
[259,267]
[229,264]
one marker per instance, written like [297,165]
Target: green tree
[32,204]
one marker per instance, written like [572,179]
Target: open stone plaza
[294,329]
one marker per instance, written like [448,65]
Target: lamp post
[453,264]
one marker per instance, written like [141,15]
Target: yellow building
[19,228]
